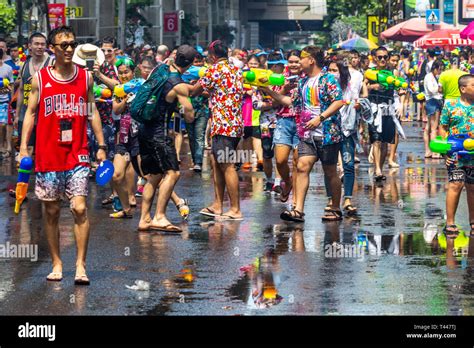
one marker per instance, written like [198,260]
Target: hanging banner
[57,15]
[373,28]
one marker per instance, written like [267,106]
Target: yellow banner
[374,27]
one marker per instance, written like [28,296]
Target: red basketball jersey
[61,131]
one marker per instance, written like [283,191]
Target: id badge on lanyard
[65,131]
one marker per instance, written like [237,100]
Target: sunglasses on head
[64,45]
[382,57]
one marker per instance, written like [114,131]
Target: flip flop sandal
[54,277]
[452,233]
[208,212]
[183,208]
[228,218]
[332,215]
[285,195]
[293,215]
[121,215]
[82,280]
[168,228]
[350,209]
[108,200]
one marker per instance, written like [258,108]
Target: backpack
[144,107]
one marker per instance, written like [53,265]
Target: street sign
[432,16]
[74,12]
[170,22]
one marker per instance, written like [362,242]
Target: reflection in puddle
[263,278]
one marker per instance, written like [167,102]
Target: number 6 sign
[170,22]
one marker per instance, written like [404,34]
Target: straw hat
[88,51]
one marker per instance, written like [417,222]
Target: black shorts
[130,151]
[461,174]
[267,145]
[157,152]
[328,154]
[388,131]
[224,149]
[252,131]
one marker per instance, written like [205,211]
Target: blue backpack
[145,105]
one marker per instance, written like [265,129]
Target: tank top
[26,79]
[158,126]
[61,131]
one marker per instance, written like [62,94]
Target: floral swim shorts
[53,186]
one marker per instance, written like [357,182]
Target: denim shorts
[433,105]
[285,132]
[53,186]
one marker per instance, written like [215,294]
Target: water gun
[385,78]
[254,77]
[194,73]
[4,83]
[24,172]
[131,86]
[416,91]
[102,93]
[459,145]
[22,54]
[412,71]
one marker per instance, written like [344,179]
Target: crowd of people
[327,109]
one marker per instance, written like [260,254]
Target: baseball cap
[185,55]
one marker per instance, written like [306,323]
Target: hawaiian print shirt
[459,119]
[329,91]
[105,109]
[224,83]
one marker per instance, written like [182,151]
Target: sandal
[379,178]
[350,209]
[82,280]
[108,200]
[451,231]
[183,208]
[54,277]
[293,215]
[121,215]
[332,215]
[286,192]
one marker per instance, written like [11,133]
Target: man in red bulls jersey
[62,101]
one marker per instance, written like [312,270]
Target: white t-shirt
[311,101]
[356,83]
[431,87]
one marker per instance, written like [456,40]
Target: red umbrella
[468,32]
[411,30]
[447,38]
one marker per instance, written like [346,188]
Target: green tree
[189,28]
[135,19]
[224,32]
[8,17]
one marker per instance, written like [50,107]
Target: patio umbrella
[468,32]
[357,43]
[411,30]
[446,38]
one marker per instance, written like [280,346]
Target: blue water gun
[460,145]
[24,172]
[194,73]
[131,86]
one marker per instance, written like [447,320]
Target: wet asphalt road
[262,265]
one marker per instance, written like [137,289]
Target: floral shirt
[308,97]
[224,82]
[105,109]
[459,119]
